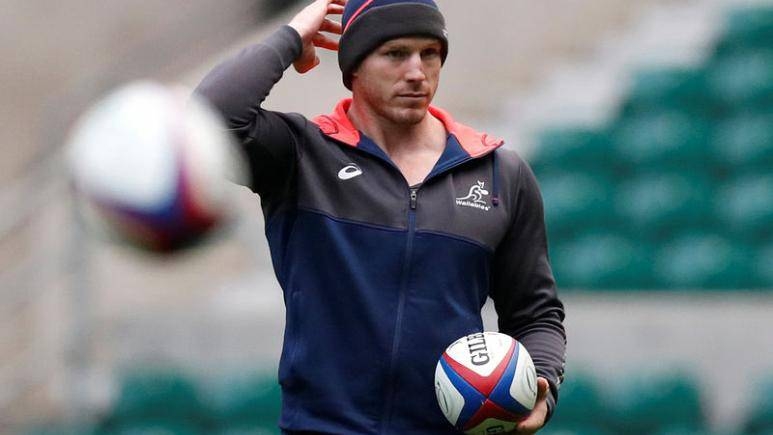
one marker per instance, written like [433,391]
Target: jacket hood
[338,126]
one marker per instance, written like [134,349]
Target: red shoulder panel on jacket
[475,143]
[337,124]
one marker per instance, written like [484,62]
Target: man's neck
[413,148]
[399,138]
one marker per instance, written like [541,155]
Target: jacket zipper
[389,402]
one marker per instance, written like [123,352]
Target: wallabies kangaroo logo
[474,198]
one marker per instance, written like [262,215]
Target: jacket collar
[338,126]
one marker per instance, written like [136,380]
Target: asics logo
[349,171]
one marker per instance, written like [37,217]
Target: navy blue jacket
[378,276]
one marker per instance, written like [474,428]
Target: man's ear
[354,75]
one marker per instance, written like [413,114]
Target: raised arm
[238,86]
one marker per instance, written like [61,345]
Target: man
[389,223]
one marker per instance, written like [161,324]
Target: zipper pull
[414,197]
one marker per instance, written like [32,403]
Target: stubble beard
[409,117]
[402,115]
[396,112]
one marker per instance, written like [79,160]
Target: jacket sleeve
[237,88]
[523,288]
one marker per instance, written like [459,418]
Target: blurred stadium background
[649,125]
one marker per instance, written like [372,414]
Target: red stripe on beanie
[356,13]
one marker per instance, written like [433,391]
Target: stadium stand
[167,403]
[690,178]
[170,401]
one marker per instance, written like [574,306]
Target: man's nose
[415,71]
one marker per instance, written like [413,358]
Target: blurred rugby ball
[151,166]
[486,383]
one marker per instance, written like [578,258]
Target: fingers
[312,18]
[331,27]
[322,41]
[529,426]
[536,419]
[542,388]
[310,24]
[333,9]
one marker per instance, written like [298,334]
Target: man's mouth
[412,95]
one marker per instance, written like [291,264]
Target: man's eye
[396,54]
[431,52]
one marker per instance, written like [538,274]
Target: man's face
[398,80]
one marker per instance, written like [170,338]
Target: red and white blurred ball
[153,167]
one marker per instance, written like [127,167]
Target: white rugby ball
[151,166]
[486,383]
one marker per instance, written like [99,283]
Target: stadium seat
[647,403]
[155,428]
[581,403]
[602,261]
[61,429]
[745,207]
[744,143]
[695,260]
[760,419]
[555,429]
[743,80]
[570,149]
[679,430]
[244,402]
[576,201]
[656,205]
[250,430]
[662,140]
[763,265]
[156,395]
[668,89]
[747,28]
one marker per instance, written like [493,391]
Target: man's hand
[310,23]
[536,419]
